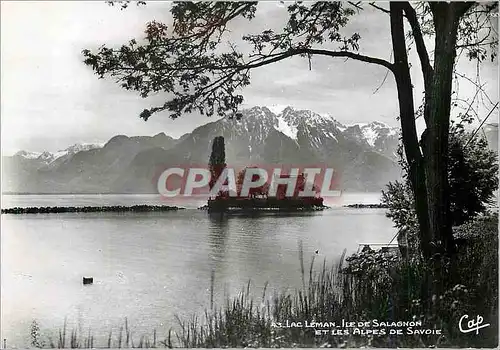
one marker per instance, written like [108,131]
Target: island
[261,198]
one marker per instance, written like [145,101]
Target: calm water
[149,267]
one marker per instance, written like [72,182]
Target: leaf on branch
[188,60]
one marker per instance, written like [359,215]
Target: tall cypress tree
[217,161]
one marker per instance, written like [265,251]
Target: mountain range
[363,154]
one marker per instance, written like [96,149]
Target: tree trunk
[436,141]
[428,173]
[416,171]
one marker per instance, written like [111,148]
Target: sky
[51,100]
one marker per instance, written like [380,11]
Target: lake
[150,267]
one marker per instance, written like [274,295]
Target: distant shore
[90,209]
[161,208]
[374,206]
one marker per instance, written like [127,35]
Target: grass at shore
[74,339]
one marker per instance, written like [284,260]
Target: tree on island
[260,191]
[281,190]
[189,61]
[300,186]
[302,183]
[217,161]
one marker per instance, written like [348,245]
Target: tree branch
[462,7]
[356,5]
[310,51]
[475,132]
[478,86]
[276,57]
[184,63]
[348,54]
[380,8]
[416,170]
[423,55]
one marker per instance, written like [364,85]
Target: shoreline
[90,209]
[161,208]
[363,206]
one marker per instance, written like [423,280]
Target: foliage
[477,36]
[253,191]
[477,268]
[472,174]
[281,190]
[479,260]
[35,335]
[401,207]
[185,59]
[473,178]
[124,3]
[375,262]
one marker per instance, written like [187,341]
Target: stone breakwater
[90,209]
[375,206]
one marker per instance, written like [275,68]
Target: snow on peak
[77,147]
[377,124]
[286,128]
[370,132]
[291,122]
[357,125]
[370,135]
[289,113]
[276,109]
[254,113]
[383,128]
[49,157]
[310,117]
[337,124]
[46,156]
[28,155]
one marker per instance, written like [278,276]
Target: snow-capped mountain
[362,154]
[77,147]
[379,136]
[259,136]
[320,131]
[28,155]
[48,157]
[290,121]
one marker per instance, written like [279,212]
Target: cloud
[50,99]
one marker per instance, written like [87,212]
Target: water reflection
[218,238]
